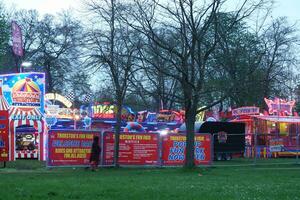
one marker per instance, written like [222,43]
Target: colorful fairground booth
[22,96]
[272,133]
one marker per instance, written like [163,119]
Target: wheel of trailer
[228,156]
[219,156]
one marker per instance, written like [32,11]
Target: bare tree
[111,46]
[154,84]
[58,50]
[279,61]
[238,56]
[257,65]
[193,26]
[52,45]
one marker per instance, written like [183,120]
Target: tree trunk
[190,117]
[117,131]
[49,82]
[17,63]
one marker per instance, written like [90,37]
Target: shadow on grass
[26,164]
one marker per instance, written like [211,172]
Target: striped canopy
[37,124]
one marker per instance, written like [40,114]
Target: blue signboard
[24,90]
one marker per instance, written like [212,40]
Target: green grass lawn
[31,180]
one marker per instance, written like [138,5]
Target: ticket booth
[22,97]
[27,134]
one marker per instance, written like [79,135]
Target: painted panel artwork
[24,90]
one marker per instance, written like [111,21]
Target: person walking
[95,154]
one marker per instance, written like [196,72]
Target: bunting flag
[71,96]
[17,39]
[87,98]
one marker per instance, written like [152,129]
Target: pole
[297,143]
[74,118]
[255,139]
[255,148]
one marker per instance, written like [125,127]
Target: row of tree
[179,53]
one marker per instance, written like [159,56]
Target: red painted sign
[70,148]
[135,149]
[173,149]
[250,110]
[4,141]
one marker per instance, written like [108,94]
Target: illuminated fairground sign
[26,117]
[58,97]
[24,91]
[103,111]
[52,109]
[200,115]
[250,110]
[280,106]
[108,111]
[168,116]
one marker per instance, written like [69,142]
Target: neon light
[280,106]
[103,111]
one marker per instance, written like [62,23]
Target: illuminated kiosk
[276,129]
[24,95]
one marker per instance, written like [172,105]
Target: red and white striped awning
[37,124]
[26,154]
[3,103]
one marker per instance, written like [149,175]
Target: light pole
[75,118]
[24,65]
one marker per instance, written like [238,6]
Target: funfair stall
[22,95]
[270,134]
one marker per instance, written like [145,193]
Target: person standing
[95,154]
